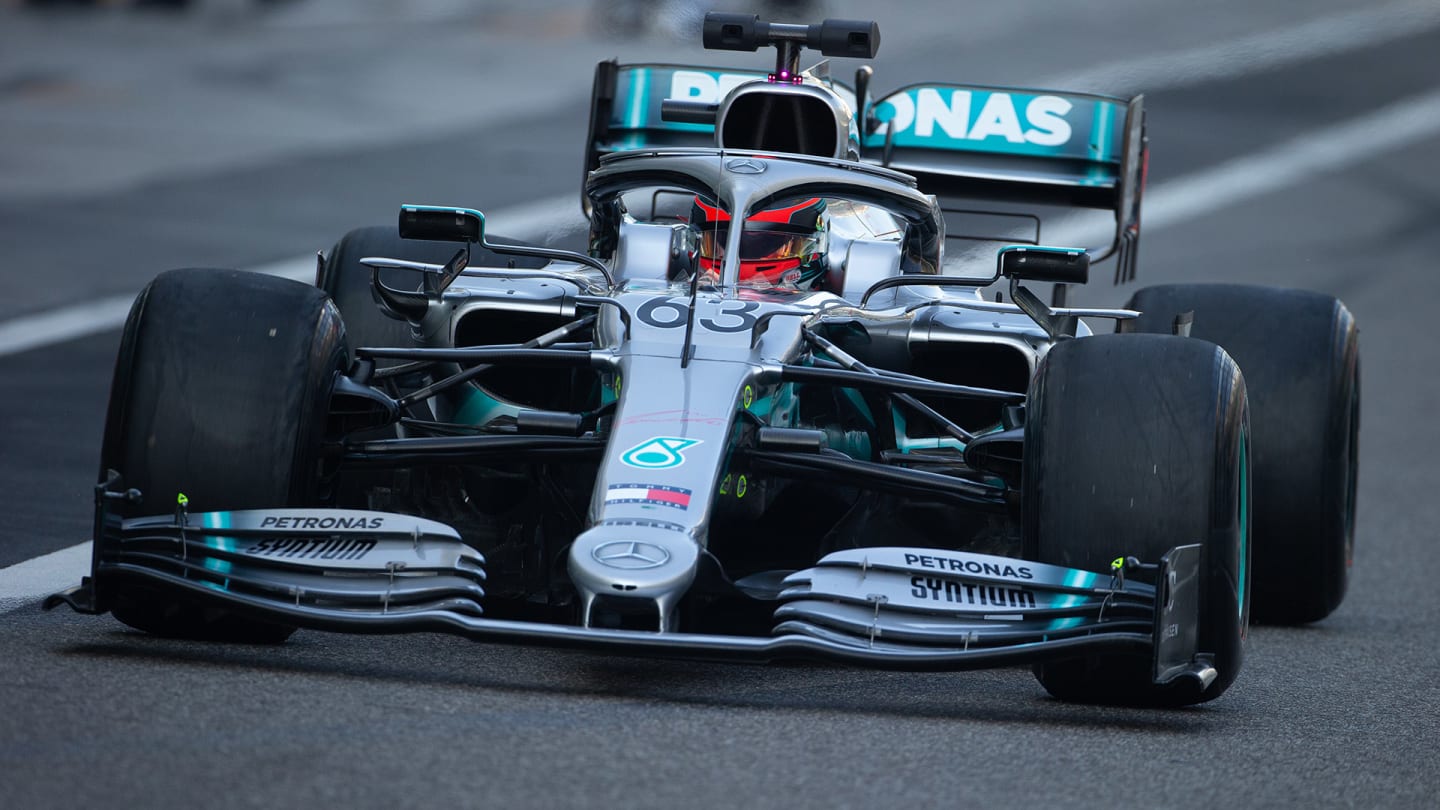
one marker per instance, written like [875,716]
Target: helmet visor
[758,245]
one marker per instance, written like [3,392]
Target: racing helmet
[782,246]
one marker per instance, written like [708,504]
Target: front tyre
[221,391]
[1135,444]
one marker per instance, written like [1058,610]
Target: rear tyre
[221,390]
[347,281]
[1300,353]
[1135,444]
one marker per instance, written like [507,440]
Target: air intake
[784,118]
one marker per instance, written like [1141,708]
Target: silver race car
[761,416]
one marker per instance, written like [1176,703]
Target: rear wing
[1024,150]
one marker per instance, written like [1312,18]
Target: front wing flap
[926,598]
[903,608]
[341,559]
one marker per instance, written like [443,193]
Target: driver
[781,247]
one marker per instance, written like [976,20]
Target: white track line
[39,577]
[1394,127]
[542,219]
[1331,34]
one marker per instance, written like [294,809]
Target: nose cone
[631,560]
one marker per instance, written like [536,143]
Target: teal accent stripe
[480,408]
[1100,131]
[907,444]
[1075,579]
[639,97]
[221,521]
[1103,121]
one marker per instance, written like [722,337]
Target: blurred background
[1292,144]
[239,132]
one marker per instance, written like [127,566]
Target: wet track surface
[1335,714]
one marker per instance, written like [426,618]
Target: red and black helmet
[781,246]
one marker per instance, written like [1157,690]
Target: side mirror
[1034,263]
[442,224]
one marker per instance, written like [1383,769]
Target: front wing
[900,608]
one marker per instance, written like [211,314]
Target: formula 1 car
[759,417]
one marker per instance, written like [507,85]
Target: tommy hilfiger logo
[648,494]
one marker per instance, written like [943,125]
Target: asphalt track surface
[1341,713]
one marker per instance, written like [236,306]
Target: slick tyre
[221,390]
[1135,444]
[1300,353]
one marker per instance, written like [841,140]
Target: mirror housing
[1037,263]
[442,224]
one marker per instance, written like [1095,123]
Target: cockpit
[807,223]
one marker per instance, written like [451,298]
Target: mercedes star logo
[630,555]
[746,166]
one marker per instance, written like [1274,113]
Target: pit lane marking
[41,576]
[1388,129]
[1264,50]
[542,219]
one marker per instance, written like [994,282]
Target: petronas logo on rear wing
[1072,139]
[933,116]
